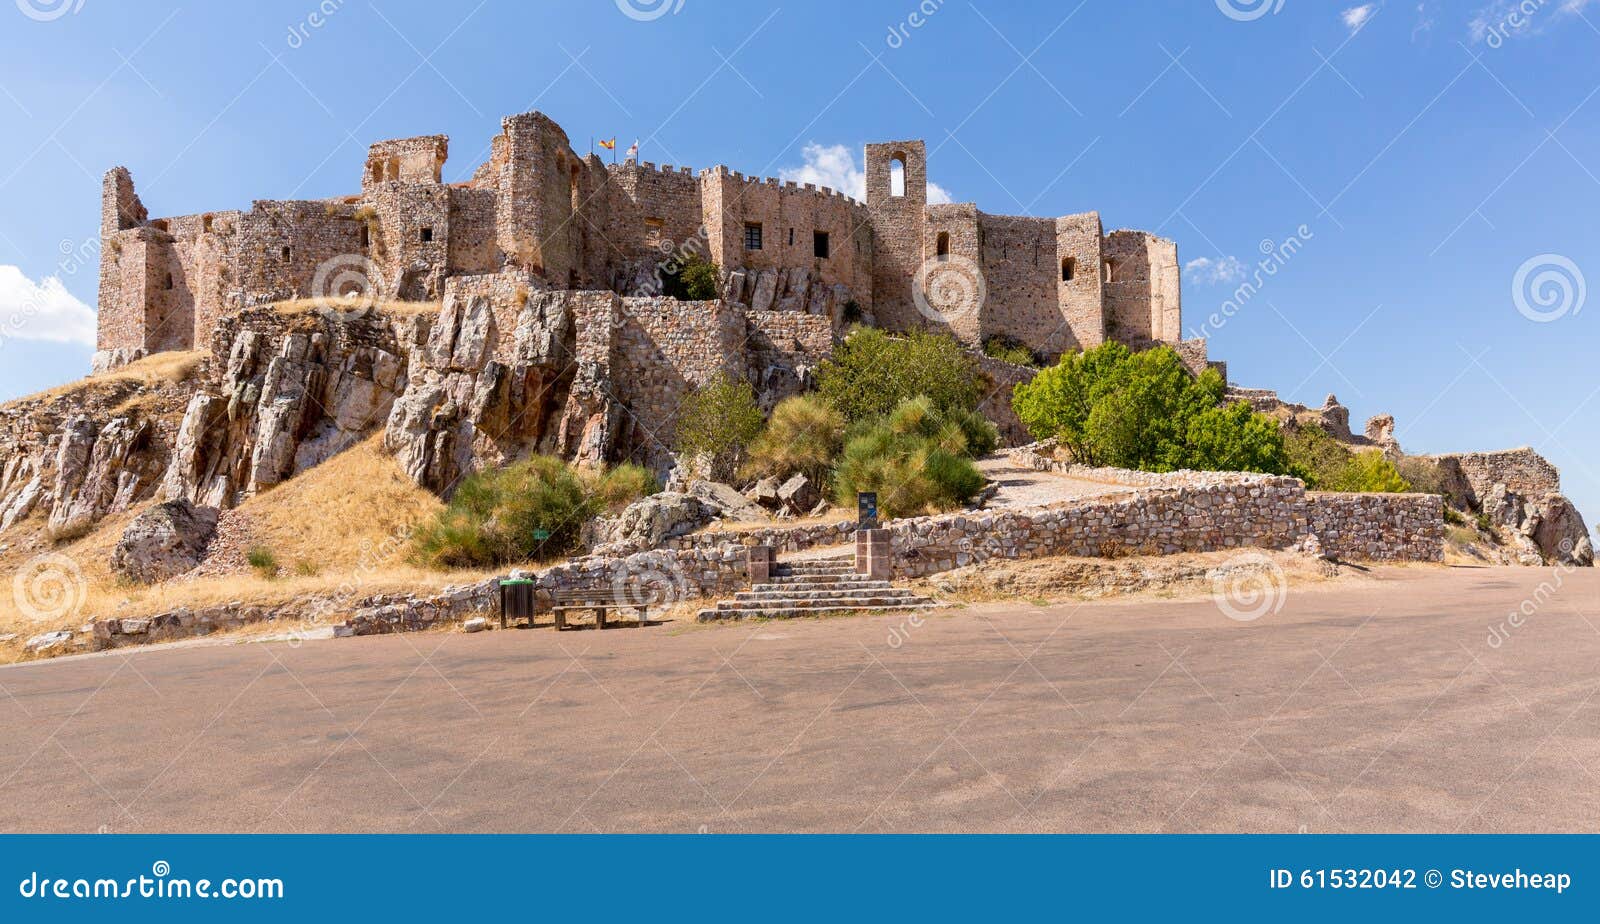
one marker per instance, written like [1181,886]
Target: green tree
[694,278]
[871,372]
[717,421]
[1235,439]
[918,459]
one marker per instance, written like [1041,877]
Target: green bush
[530,510]
[1235,439]
[871,372]
[1424,475]
[718,421]
[804,436]
[262,560]
[693,279]
[1011,351]
[1111,406]
[1329,465]
[917,459]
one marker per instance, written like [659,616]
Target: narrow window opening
[427,235]
[366,236]
[167,283]
[942,247]
[897,175]
[752,236]
[1069,268]
[819,244]
[1109,272]
[791,237]
[286,253]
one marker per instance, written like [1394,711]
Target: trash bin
[516,600]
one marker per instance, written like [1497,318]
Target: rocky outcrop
[652,521]
[98,471]
[163,542]
[1539,530]
[797,289]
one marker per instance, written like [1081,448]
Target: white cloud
[1357,16]
[1221,271]
[42,310]
[835,166]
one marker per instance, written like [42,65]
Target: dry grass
[348,520]
[354,302]
[150,372]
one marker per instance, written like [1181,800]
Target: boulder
[165,541]
[1558,530]
[798,494]
[646,522]
[47,641]
[765,493]
[728,503]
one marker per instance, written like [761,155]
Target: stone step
[790,587]
[815,569]
[822,594]
[864,602]
[818,579]
[802,612]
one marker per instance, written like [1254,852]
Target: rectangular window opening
[819,244]
[427,235]
[752,236]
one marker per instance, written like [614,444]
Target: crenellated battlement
[574,222]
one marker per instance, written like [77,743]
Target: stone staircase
[815,587]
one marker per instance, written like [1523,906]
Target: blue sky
[1433,158]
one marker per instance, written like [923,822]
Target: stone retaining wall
[1379,527]
[781,538]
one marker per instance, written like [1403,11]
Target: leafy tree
[1370,472]
[717,421]
[871,372]
[693,279]
[1236,439]
[1110,406]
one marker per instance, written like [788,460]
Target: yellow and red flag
[609,145]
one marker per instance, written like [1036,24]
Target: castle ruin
[568,222]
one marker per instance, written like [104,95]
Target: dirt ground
[1407,700]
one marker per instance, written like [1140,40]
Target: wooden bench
[597,601]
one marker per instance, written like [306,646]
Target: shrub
[1011,351]
[1110,406]
[693,279]
[871,373]
[529,510]
[917,459]
[804,437]
[1329,465]
[718,421]
[1424,475]
[262,560]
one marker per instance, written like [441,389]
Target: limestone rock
[47,641]
[646,522]
[475,624]
[765,493]
[1560,533]
[1380,431]
[798,494]
[727,502]
[164,541]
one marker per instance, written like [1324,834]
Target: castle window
[819,244]
[167,283]
[1069,267]
[897,175]
[366,236]
[752,236]
[942,246]
[1108,272]
[286,253]
[427,235]
[652,230]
